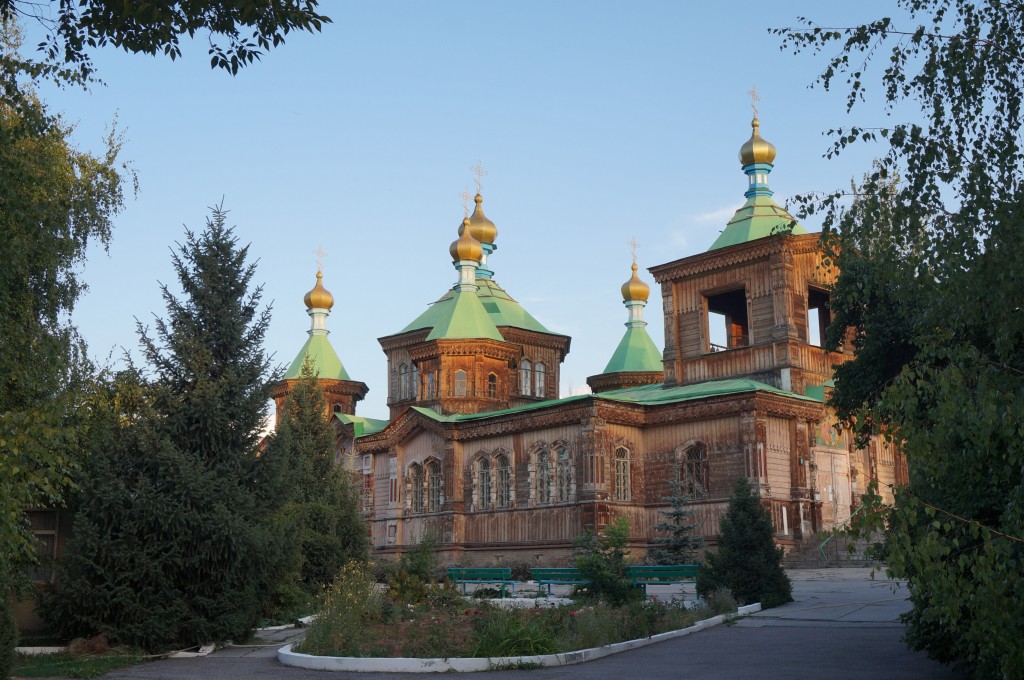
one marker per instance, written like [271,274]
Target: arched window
[430,385]
[416,481]
[414,391]
[483,485]
[434,499]
[525,377]
[543,475]
[504,473]
[492,386]
[621,492]
[563,475]
[460,383]
[403,382]
[695,471]
[337,408]
[538,379]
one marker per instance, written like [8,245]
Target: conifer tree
[314,490]
[748,562]
[680,546]
[171,545]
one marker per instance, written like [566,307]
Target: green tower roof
[498,307]
[636,352]
[325,360]
[463,317]
[760,216]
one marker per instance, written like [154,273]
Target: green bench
[482,575]
[661,575]
[549,576]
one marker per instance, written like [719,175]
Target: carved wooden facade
[493,483]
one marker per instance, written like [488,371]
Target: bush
[8,634]
[601,559]
[344,614]
[748,562]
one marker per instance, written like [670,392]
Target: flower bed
[460,664]
[358,620]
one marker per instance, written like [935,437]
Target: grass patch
[69,665]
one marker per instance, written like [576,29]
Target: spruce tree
[748,562]
[313,491]
[172,546]
[680,546]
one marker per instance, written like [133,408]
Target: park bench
[482,575]
[549,576]
[661,574]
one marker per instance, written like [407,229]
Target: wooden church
[480,450]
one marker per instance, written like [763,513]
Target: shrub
[346,610]
[601,559]
[748,562]
[419,560]
[8,634]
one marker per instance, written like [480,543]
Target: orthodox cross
[754,98]
[479,171]
[634,245]
[464,194]
[320,254]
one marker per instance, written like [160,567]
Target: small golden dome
[635,289]
[466,247]
[480,227]
[756,149]
[319,297]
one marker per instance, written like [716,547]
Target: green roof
[325,360]
[501,310]
[636,352]
[362,426]
[818,391]
[646,395]
[760,216]
[463,317]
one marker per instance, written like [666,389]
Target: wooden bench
[661,575]
[482,575]
[549,576]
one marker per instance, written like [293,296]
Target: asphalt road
[841,625]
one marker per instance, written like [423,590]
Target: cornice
[733,255]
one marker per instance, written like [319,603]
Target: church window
[526,377]
[414,391]
[483,489]
[504,473]
[460,383]
[563,475]
[492,386]
[433,486]
[543,474]
[538,377]
[393,481]
[727,320]
[430,385]
[416,481]
[337,408]
[695,471]
[403,382]
[622,474]
[818,316]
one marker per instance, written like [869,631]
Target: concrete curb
[468,665]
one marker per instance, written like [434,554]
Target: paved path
[842,625]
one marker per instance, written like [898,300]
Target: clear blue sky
[596,121]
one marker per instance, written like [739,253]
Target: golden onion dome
[319,297]
[635,289]
[756,149]
[466,247]
[480,227]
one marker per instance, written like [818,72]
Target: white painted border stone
[463,665]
